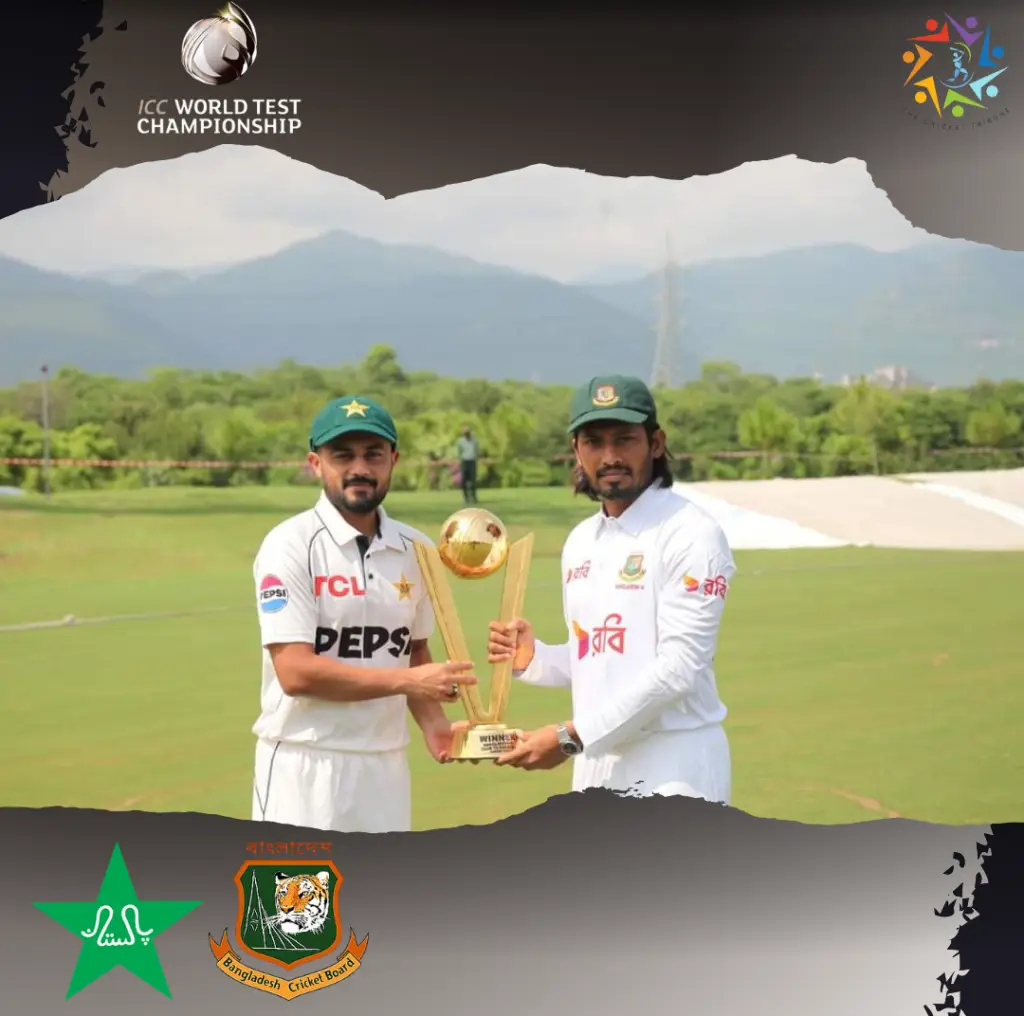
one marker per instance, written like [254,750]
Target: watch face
[567,743]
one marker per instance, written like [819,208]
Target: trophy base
[483,741]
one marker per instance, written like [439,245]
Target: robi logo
[362,643]
[582,640]
[608,637]
[337,585]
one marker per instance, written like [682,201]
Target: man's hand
[514,641]
[538,749]
[439,737]
[438,682]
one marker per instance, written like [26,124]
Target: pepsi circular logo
[273,595]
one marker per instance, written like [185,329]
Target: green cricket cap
[352,414]
[611,397]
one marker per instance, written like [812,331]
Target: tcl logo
[362,642]
[337,585]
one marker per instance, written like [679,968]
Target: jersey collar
[342,533]
[388,531]
[634,519]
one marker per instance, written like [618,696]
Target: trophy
[473,545]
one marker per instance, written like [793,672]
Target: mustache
[361,481]
[605,470]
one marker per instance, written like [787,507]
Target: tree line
[724,425]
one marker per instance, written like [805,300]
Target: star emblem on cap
[404,587]
[355,408]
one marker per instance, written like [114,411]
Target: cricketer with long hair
[644,587]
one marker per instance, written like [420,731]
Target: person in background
[466,451]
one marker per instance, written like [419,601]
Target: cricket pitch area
[873,672]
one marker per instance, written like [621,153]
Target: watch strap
[568,743]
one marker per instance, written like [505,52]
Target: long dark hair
[662,468]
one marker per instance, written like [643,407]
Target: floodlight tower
[666,372]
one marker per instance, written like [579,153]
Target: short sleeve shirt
[314,585]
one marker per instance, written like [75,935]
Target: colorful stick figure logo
[957,59]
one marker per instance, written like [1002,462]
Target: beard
[623,485]
[362,503]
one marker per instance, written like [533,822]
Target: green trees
[993,427]
[251,429]
[769,429]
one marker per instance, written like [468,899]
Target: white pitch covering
[746,529]
[1011,512]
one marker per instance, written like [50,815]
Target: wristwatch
[568,743]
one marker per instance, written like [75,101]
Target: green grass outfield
[861,683]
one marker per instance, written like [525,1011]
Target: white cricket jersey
[312,585]
[643,597]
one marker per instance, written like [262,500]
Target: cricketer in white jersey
[644,584]
[344,620]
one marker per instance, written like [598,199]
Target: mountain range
[950,311]
[230,203]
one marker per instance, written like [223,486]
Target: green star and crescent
[117,929]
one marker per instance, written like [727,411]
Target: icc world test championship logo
[954,66]
[219,50]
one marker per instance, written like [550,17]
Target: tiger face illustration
[301,901]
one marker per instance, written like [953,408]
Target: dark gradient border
[676,900]
[620,902]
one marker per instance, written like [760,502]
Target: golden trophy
[473,545]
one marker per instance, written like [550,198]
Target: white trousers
[345,792]
[688,763]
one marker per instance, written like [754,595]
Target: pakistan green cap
[612,397]
[352,414]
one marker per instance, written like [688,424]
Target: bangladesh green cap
[352,414]
[612,397]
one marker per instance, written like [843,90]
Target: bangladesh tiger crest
[288,917]
[633,570]
[605,396]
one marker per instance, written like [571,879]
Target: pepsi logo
[273,595]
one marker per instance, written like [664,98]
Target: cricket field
[861,683]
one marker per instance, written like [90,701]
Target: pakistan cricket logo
[117,928]
[288,917]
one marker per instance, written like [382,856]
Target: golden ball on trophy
[474,543]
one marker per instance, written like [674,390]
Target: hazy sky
[237,202]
